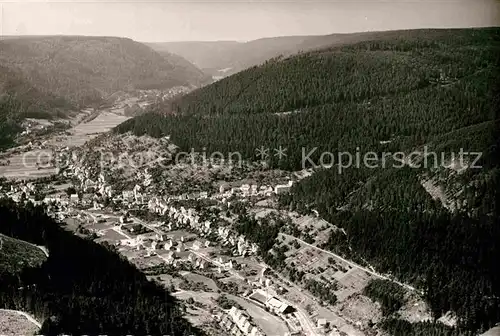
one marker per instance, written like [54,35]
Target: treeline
[83,287]
[18,100]
[349,73]
[398,327]
[264,232]
[26,100]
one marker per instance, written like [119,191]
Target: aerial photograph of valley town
[250,168]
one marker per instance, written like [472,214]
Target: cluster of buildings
[101,187]
[86,183]
[177,90]
[146,177]
[238,323]
[16,192]
[189,218]
[225,263]
[59,205]
[133,196]
[28,189]
[197,262]
[178,252]
[247,190]
[197,195]
[243,247]
[163,95]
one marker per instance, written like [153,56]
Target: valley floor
[23,164]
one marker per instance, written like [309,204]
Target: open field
[177,234]
[263,212]
[317,263]
[317,228]
[165,279]
[353,313]
[23,166]
[14,323]
[200,278]
[198,316]
[102,123]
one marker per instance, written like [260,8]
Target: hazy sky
[237,19]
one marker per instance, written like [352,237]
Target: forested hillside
[9,126]
[20,99]
[83,288]
[190,72]
[84,70]
[436,226]
[237,56]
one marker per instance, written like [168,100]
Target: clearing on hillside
[16,254]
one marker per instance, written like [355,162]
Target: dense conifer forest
[438,90]
[403,91]
[389,294]
[399,327]
[83,288]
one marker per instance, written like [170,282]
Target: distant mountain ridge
[212,56]
[208,56]
[83,69]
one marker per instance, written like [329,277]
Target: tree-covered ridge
[392,222]
[83,287]
[404,328]
[339,100]
[85,70]
[32,101]
[236,56]
[390,295]
[407,120]
[349,73]
[9,121]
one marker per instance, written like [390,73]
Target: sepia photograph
[250,168]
